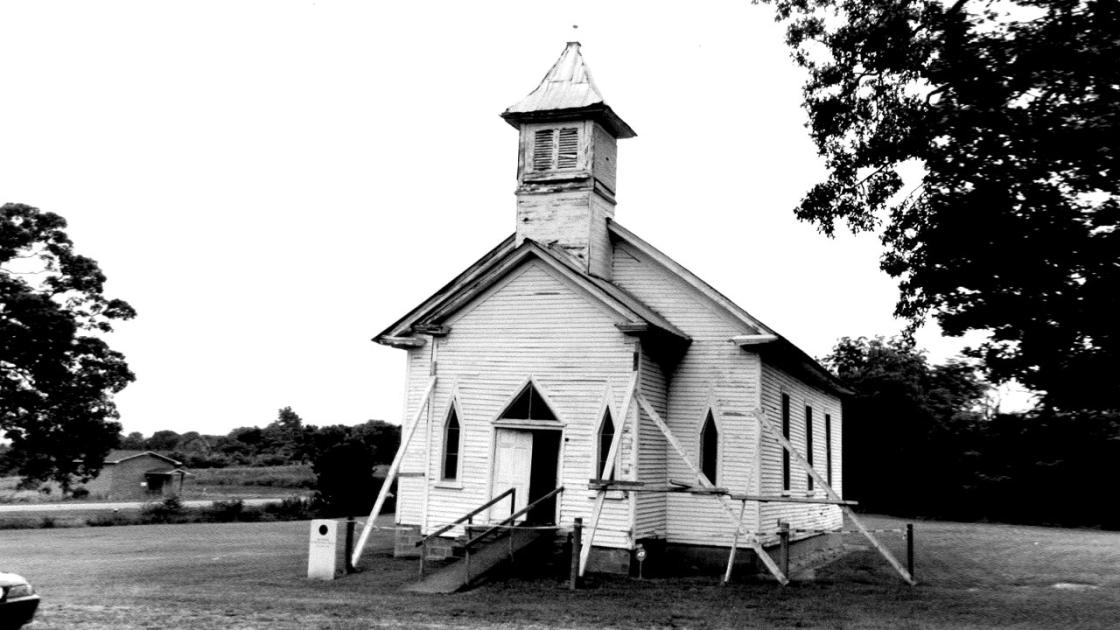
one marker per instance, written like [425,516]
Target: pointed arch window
[451,446]
[606,437]
[529,405]
[709,448]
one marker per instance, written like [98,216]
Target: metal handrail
[512,492]
[512,517]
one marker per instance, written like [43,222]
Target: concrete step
[484,558]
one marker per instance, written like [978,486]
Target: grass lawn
[250,575]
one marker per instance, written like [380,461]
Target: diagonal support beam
[406,437]
[760,415]
[608,466]
[752,540]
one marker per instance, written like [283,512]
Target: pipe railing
[468,518]
[512,517]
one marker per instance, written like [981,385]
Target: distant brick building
[137,475]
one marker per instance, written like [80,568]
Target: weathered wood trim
[432,330]
[752,340]
[401,342]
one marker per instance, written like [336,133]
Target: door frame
[525,426]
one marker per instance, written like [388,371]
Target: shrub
[79,493]
[290,509]
[226,511]
[168,510]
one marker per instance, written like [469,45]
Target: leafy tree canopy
[57,375]
[906,417]
[1011,110]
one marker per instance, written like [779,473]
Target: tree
[283,437]
[1011,111]
[57,374]
[133,441]
[344,458]
[904,428]
[163,440]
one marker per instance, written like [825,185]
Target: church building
[585,369]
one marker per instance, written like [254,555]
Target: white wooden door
[512,470]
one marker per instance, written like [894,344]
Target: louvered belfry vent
[542,149]
[556,149]
[568,148]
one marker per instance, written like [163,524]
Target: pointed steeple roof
[567,93]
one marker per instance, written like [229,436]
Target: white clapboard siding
[653,453]
[714,372]
[531,324]
[775,382]
[410,490]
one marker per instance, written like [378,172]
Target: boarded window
[809,443]
[451,446]
[709,448]
[555,149]
[606,436]
[828,447]
[529,405]
[785,434]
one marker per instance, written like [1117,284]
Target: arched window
[451,446]
[606,436]
[709,448]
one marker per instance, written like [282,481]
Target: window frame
[810,483]
[601,455]
[452,413]
[710,459]
[787,481]
[563,156]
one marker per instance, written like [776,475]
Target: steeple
[566,163]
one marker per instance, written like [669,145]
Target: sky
[271,184]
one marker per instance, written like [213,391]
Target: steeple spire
[567,92]
[566,164]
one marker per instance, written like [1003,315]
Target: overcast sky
[271,184]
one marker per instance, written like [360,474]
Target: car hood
[10,579]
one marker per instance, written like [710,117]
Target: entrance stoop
[481,562]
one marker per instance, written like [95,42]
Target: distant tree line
[929,441]
[344,458]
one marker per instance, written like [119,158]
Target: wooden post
[423,556]
[783,547]
[577,543]
[734,547]
[910,549]
[394,468]
[349,544]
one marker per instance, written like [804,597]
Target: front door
[513,469]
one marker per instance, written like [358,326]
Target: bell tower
[566,164]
